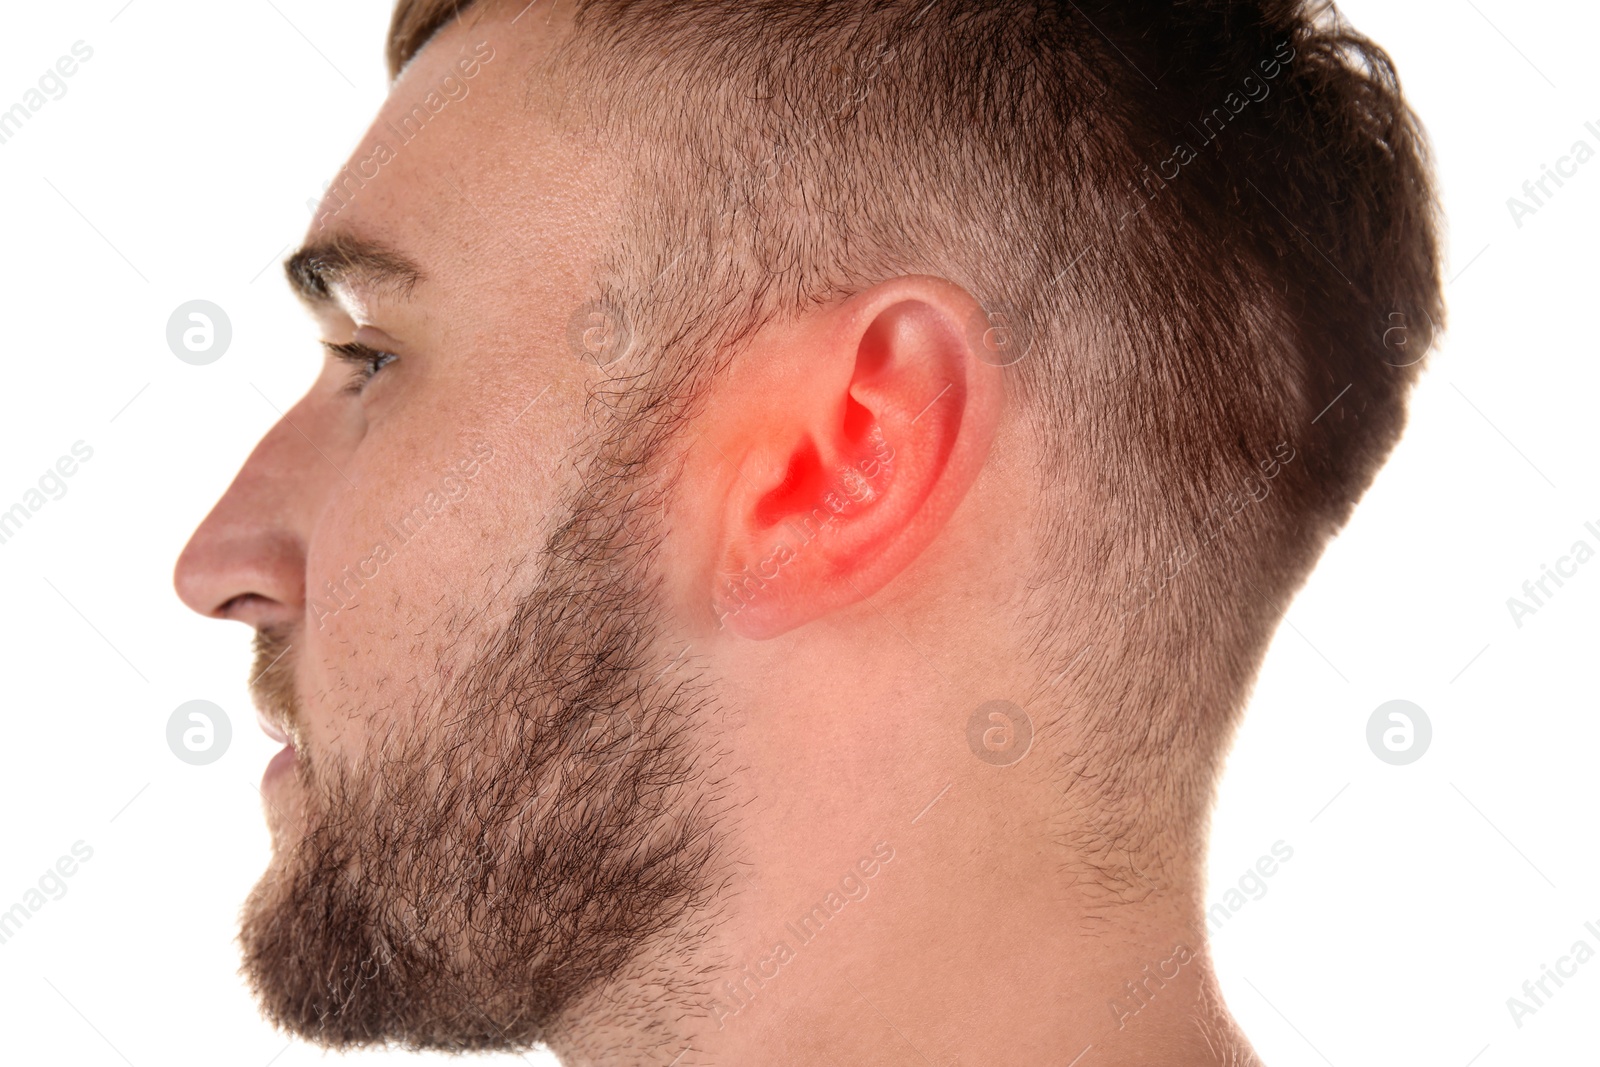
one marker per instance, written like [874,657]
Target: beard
[515,846]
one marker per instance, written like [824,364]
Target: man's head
[727,404]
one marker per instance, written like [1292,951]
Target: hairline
[415,24]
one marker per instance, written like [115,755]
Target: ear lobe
[855,453]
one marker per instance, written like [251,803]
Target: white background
[179,165]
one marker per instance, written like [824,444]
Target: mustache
[272,678]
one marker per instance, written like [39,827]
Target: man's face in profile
[705,631]
[494,793]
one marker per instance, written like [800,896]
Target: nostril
[253,609]
[243,574]
[226,609]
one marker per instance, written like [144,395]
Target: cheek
[409,574]
[360,623]
[376,597]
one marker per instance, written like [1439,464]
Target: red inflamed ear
[845,450]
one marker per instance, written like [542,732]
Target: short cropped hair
[1203,233]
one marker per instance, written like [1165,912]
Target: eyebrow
[352,262]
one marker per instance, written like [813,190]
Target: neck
[992,962]
[973,942]
[953,902]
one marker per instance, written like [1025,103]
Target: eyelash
[365,362]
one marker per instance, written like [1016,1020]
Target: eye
[365,362]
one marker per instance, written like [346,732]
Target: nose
[246,561]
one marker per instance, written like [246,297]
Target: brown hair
[1203,229]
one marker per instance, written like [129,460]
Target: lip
[279,765]
[271,729]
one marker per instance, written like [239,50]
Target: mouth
[283,762]
[272,729]
[278,766]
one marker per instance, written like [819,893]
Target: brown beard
[511,849]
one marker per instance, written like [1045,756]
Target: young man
[794,505]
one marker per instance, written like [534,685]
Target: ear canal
[804,482]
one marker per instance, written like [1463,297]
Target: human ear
[845,451]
